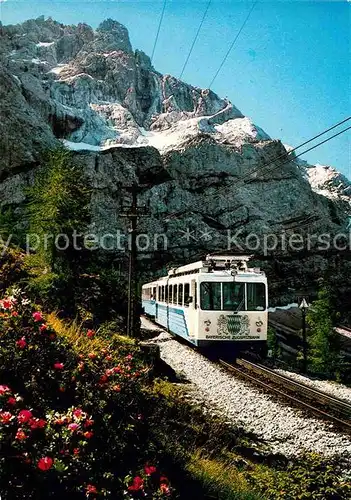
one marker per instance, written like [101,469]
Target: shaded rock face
[201,164]
[23,133]
[204,189]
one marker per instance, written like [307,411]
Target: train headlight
[207,329]
[259,330]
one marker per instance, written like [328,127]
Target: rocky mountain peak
[89,89]
[115,35]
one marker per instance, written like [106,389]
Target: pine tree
[59,205]
[323,341]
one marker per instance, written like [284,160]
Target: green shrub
[12,267]
[323,341]
[87,394]
[310,477]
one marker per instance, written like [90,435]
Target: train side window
[166,293]
[154,293]
[186,294]
[170,294]
[175,294]
[180,295]
[211,296]
[163,293]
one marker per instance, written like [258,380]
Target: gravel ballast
[284,429]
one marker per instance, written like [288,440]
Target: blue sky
[289,70]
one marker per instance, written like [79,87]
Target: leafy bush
[311,477]
[70,410]
[12,267]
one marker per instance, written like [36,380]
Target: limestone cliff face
[74,83]
[206,170]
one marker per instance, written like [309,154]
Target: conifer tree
[323,340]
[59,205]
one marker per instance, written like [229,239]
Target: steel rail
[305,389]
[239,370]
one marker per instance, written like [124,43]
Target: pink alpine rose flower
[88,423]
[4,389]
[37,423]
[149,469]
[164,488]
[138,484]
[58,366]
[5,417]
[21,435]
[45,463]
[37,316]
[91,489]
[78,413]
[21,343]
[24,416]
[6,304]
[73,427]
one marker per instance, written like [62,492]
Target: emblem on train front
[234,325]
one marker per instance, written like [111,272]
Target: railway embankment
[282,429]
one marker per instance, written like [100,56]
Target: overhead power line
[158,29]
[195,39]
[319,135]
[233,43]
[320,143]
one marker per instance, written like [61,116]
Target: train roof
[237,265]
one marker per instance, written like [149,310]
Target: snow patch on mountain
[58,69]
[327,181]
[236,131]
[45,44]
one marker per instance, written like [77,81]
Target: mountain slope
[90,90]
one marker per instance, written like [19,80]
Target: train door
[157,296]
[193,310]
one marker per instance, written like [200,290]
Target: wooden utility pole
[132,213]
[304,306]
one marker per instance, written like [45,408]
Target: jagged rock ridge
[90,87]
[207,167]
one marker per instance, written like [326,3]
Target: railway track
[320,403]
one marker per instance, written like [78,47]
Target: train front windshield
[232,296]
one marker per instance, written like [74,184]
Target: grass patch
[75,334]
[221,479]
[232,464]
